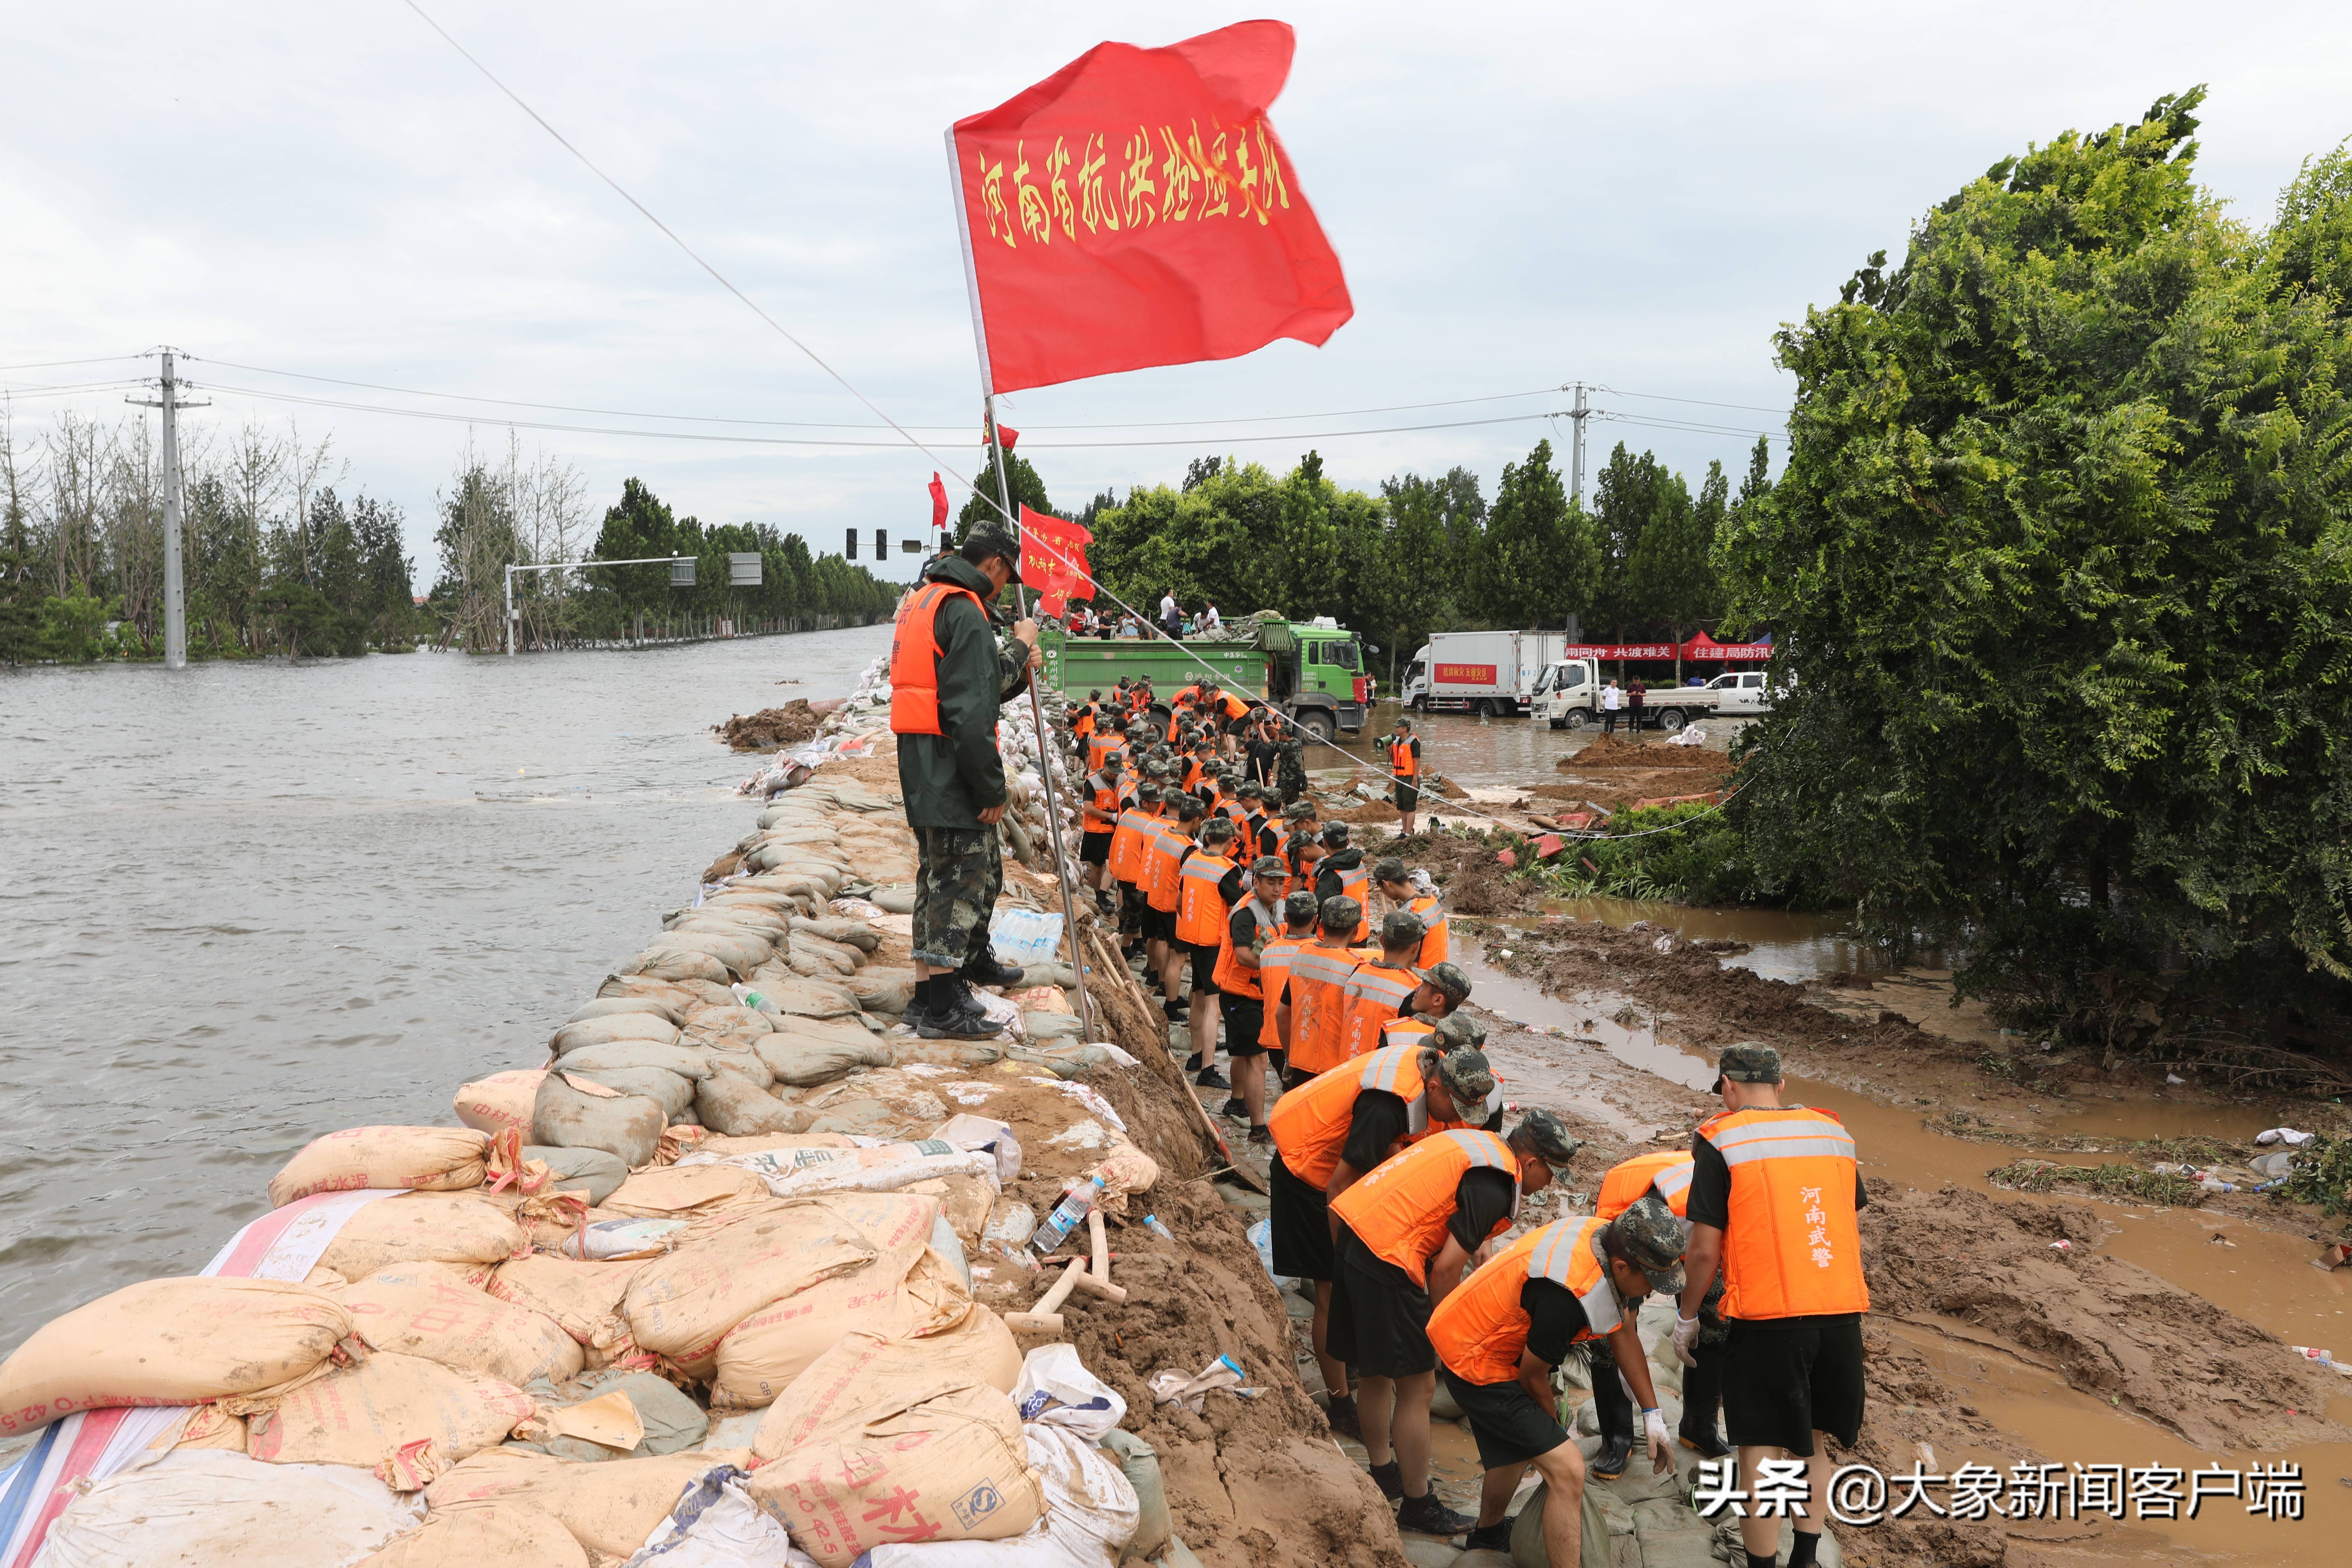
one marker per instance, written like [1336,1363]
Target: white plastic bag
[1057,1390]
[715,1525]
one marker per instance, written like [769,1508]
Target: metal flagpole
[1062,873]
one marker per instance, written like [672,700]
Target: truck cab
[1741,692]
[1568,697]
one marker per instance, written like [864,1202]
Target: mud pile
[770,729]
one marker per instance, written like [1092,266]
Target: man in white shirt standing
[1609,701]
[1209,619]
[1171,617]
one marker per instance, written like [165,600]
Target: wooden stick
[1033,1322]
[1102,1247]
[1045,1317]
[1090,1286]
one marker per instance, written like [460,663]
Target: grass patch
[2107,1181]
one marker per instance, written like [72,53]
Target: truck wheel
[1576,720]
[1420,705]
[1318,724]
[1670,720]
[1483,709]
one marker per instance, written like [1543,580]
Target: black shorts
[1131,910]
[1244,1020]
[1158,925]
[1408,798]
[1505,1422]
[1094,848]
[1204,967]
[1380,1318]
[1785,1379]
[1299,1225]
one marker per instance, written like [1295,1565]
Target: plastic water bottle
[752,999]
[1151,1223]
[1067,1215]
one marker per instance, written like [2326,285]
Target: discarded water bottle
[1151,1223]
[752,999]
[1067,1215]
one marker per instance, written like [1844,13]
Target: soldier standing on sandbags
[949,675]
[1290,767]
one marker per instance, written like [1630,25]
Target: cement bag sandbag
[501,1101]
[670,993]
[207,1509]
[610,1508]
[736,1262]
[593,1171]
[666,961]
[428,1309]
[731,1103]
[424,1159]
[674,1093]
[707,1025]
[859,934]
[687,1061]
[675,1192]
[803,1060]
[604,1031]
[508,1535]
[737,1057]
[584,1299]
[955,1457]
[423,1228]
[169,1342]
[609,1006]
[740,952]
[889,991]
[373,1415]
[762,1355]
[627,1126]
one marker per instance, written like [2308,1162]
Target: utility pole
[1580,413]
[175,606]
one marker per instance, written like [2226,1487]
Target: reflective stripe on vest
[1200,909]
[1310,1124]
[1481,1330]
[1165,850]
[1438,942]
[1273,975]
[1401,762]
[1357,885]
[915,659]
[1229,976]
[1372,995]
[1792,1247]
[1125,839]
[1669,1170]
[1316,977]
[1400,1211]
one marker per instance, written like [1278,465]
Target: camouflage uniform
[961,872]
[1290,769]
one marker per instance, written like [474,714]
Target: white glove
[1662,1446]
[1686,1336]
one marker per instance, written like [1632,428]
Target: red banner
[1699,648]
[1053,561]
[1136,208]
[1466,674]
[939,503]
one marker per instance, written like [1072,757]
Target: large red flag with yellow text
[1136,208]
[1053,560]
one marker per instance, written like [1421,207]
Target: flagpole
[1062,873]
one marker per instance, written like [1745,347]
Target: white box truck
[1570,697]
[1486,673]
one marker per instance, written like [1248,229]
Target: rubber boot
[1702,1394]
[1616,1413]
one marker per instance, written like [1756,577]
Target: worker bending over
[1666,1176]
[1774,1190]
[1500,1336]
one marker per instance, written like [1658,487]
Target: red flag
[1136,208]
[1011,437]
[939,503]
[1053,560]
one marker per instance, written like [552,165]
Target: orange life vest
[1232,978]
[1082,721]
[1310,1124]
[1106,801]
[1099,746]
[1400,1211]
[1127,842]
[1200,909]
[1317,974]
[1357,885]
[1402,764]
[915,659]
[1273,974]
[1792,1249]
[1437,941]
[1370,999]
[1669,1170]
[1163,858]
[1480,1331]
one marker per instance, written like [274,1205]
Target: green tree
[20,609]
[1672,575]
[2062,564]
[1538,561]
[1626,499]
[1027,489]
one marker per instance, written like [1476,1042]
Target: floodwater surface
[248,903]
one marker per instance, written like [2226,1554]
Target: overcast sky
[1524,195]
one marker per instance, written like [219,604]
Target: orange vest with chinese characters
[1371,998]
[1273,974]
[1310,1124]
[1668,1170]
[1435,943]
[1164,859]
[1792,1249]
[915,659]
[1400,1211]
[1230,977]
[1317,974]
[1357,885]
[1200,909]
[1126,841]
[1480,1331]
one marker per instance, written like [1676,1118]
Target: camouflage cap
[1335,834]
[1388,870]
[1746,1062]
[1299,905]
[1648,1236]
[1456,1030]
[993,539]
[1147,794]
[1270,868]
[1466,1076]
[1401,927]
[1217,831]
[1549,1136]
[1341,912]
[1188,806]
[1448,980]
[1299,811]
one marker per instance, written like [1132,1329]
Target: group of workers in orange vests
[1393,1180]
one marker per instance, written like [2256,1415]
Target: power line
[71,386]
[1691,427]
[52,364]
[1701,402]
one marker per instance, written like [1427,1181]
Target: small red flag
[1136,208]
[1011,437]
[939,503]
[1053,560]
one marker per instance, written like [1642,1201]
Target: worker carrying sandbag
[1498,1337]
[948,676]
[1773,1194]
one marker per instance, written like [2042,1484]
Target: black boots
[949,1012]
[984,968]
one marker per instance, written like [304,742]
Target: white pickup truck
[1569,696]
[1741,694]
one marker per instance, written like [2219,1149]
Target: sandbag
[739,1261]
[676,1191]
[762,1355]
[604,1031]
[667,1420]
[881,1168]
[665,961]
[874,1453]
[671,993]
[1057,1028]
[423,1228]
[369,1414]
[839,959]
[423,1159]
[583,1299]
[687,1061]
[736,1056]
[610,1508]
[729,1104]
[740,952]
[799,995]
[208,1509]
[428,1309]
[607,1006]
[889,991]
[501,1101]
[803,1061]
[171,1342]
[948,1053]
[673,1092]
[762,938]
[627,1126]
[488,1535]
[896,900]
[859,934]
[709,1026]
[574,1170]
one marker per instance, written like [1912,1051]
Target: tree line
[1424,554]
[279,557]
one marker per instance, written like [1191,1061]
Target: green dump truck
[1311,670]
